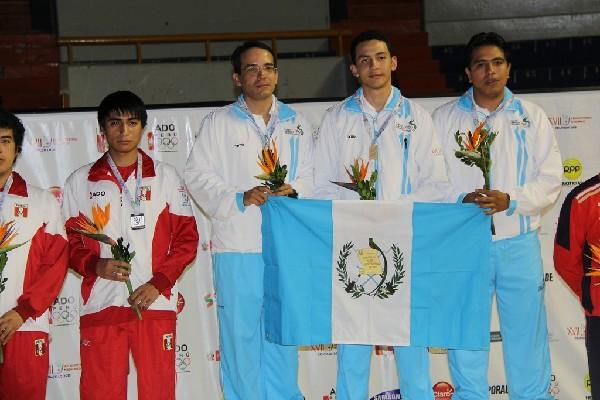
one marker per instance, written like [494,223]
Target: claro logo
[572,169]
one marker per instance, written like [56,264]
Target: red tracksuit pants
[105,360]
[24,373]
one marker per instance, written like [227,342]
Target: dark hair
[11,121]
[365,37]
[122,102]
[485,39]
[236,57]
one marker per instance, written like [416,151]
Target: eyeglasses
[254,69]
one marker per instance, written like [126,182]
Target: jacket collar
[100,171]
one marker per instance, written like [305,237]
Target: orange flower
[7,233]
[93,227]
[267,160]
[595,257]
[475,139]
[359,171]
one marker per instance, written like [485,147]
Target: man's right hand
[112,270]
[257,196]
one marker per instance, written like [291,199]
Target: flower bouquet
[274,173]
[359,182]
[93,229]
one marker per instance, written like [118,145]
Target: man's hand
[257,196]
[144,296]
[9,324]
[112,270]
[284,190]
[494,200]
[470,197]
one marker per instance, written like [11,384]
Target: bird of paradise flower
[274,173]
[359,182]
[93,228]
[474,149]
[595,257]
[7,235]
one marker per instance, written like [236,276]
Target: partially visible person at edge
[526,175]
[396,136]
[221,176]
[577,260]
[33,274]
[147,205]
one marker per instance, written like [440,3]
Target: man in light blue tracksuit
[525,178]
[396,137]
[221,176]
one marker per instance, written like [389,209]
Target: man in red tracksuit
[144,202]
[577,253]
[33,274]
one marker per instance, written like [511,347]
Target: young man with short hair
[525,177]
[221,175]
[396,136]
[33,274]
[149,208]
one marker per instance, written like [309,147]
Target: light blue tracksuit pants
[517,278]
[251,367]
[354,364]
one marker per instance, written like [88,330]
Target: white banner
[58,143]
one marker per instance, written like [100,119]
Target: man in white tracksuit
[396,136]
[526,177]
[221,176]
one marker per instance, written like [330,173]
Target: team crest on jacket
[146,193]
[366,271]
[21,210]
[411,126]
[298,131]
[168,341]
[39,347]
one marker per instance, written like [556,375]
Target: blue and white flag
[376,272]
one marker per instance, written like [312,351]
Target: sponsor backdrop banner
[58,143]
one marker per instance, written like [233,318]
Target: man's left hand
[493,200]
[10,322]
[144,296]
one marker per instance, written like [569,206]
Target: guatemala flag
[376,272]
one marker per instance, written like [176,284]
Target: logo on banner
[576,332]
[180,303]
[57,193]
[388,395]
[330,396]
[145,193]
[321,349]
[206,245]
[369,270]
[214,356]
[183,360]
[64,311]
[164,138]
[554,389]
[498,389]
[567,121]
[40,347]
[167,341]
[443,391]
[60,370]
[209,299]
[44,144]
[384,350]
[572,170]
[587,384]
[21,210]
